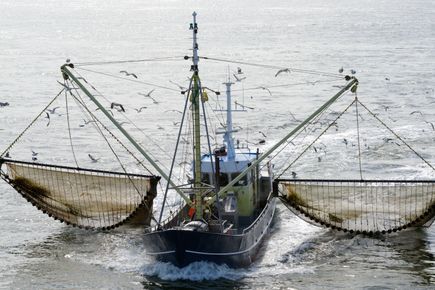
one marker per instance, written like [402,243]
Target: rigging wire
[315,120]
[130,80]
[79,99]
[168,58]
[82,105]
[140,130]
[175,152]
[397,136]
[69,126]
[288,85]
[313,72]
[358,135]
[315,140]
[31,123]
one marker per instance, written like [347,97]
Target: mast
[228,137]
[353,82]
[196,99]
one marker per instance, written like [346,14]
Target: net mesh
[361,206]
[86,198]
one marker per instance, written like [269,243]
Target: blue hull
[181,247]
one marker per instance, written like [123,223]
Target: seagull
[264,135]
[294,174]
[148,95]
[345,141]
[7,155]
[264,88]
[140,109]
[239,71]
[262,142]
[341,70]
[179,86]
[48,117]
[287,70]
[86,122]
[93,159]
[416,112]
[433,127]
[117,106]
[128,74]
[52,111]
[5,104]
[352,71]
[176,123]
[238,79]
[385,107]
[34,153]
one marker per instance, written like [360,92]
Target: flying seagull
[264,88]
[5,104]
[148,95]
[178,85]
[52,111]
[238,79]
[128,74]
[432,125]
[117,106]
[85,122]
[48,117]
[140,109]
[416,112]
[287,70]
[93,159]
[264,135]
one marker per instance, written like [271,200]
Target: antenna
[195,58]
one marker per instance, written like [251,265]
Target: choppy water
[388,43]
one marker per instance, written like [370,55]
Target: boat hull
[182,247]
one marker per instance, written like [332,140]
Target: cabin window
[205,178]
[223,179]
[241,182]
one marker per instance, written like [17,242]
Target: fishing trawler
[229,204]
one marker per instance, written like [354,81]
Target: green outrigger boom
[67,72]
[353,82]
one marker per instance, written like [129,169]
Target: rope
[130,80]
[397,136]
[139,129]
[287,85]
[175,153]
[313,72]
[130,61]
[69,127]
[358,136]
[31,124]
[315,140]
